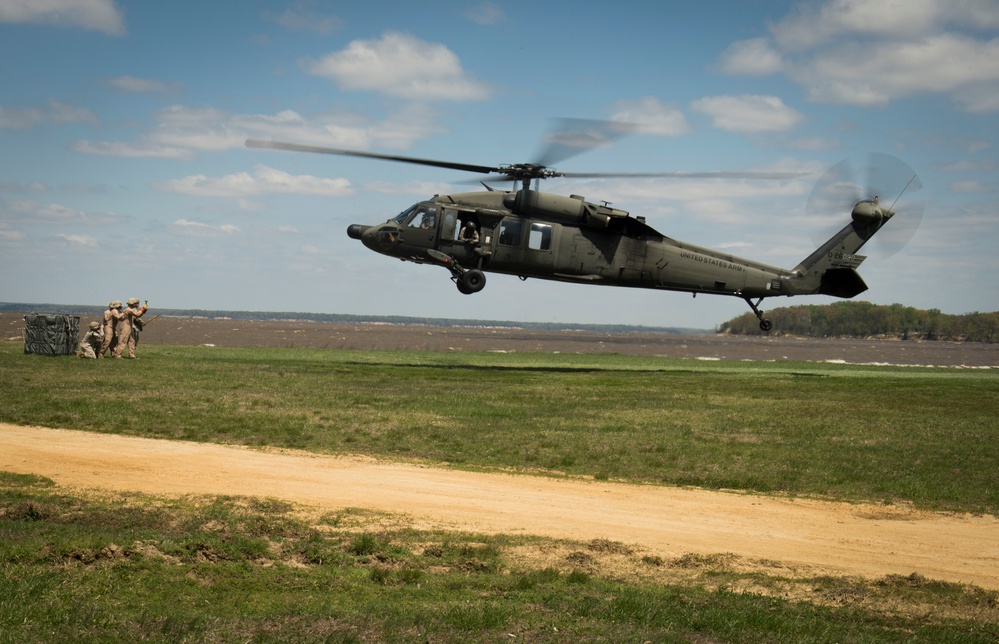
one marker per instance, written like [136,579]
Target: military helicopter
[529,233]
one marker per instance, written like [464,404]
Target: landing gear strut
[765,325]
[468,281]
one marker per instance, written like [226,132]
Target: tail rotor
[884,181]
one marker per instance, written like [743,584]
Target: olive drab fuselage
[547,236]
[529,233]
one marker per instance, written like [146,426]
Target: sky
[123,169]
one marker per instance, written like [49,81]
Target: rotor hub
[527,171]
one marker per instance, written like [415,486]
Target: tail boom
[832,268]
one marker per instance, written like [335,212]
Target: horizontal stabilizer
[842,282]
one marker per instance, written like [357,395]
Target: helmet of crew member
[94,326]
[133,301]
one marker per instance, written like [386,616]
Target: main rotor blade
[683,175]
[526,170]
[570,137]
[296,147]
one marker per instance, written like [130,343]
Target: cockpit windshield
[404,215]
[422,215]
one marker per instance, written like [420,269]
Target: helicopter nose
[356,231]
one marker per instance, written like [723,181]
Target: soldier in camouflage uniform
[91,344]
[111,318]
[125,336]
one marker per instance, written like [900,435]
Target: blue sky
[123,171]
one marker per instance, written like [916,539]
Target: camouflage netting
[51,334]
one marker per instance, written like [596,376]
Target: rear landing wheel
[765,325]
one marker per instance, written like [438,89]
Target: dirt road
[812,537]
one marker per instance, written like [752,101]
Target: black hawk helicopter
[528,233]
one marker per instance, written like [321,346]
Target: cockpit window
[404,215]
[425,216]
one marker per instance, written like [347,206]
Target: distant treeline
[866,320]
[339,318]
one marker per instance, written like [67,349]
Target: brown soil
[806,536]
[799,537]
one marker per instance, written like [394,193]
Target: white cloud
[484,13]
[813,25]
[197,128]
[55,112]
[870,52]
[79,240]
[33,212]
[417,188]
[749,113]
[181,131]
[400,65]
[200,229]
[971,186]
[96,15]
[980,98]
[731,191]
[302,17]
[12,118]
[63,113]
[880,72]
[651,116]
[264,180]
[11,235]
[18,188]
[754,57]
[130,149]
[134,85]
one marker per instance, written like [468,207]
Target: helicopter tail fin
[832,268]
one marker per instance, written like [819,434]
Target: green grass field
[223,569]
[920,435]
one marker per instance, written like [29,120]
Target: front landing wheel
[766,325]
[471,281]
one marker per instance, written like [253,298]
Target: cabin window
[541,237]
[450,229]
[510,232]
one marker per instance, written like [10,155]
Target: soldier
[125,335]
[91,344]
[469,233]
[111,318]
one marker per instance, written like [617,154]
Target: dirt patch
[796,536]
